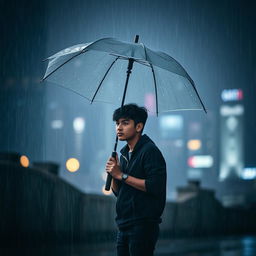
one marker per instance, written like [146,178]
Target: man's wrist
[119,177]
[124,177]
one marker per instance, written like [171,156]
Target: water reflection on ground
[221,246]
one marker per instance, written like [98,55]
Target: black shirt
[135,206]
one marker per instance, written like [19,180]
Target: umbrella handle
[109,177]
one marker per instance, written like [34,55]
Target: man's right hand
[113,168]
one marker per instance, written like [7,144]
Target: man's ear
[139,127]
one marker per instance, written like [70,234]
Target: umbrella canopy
[97,71]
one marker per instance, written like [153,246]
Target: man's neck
[131,143]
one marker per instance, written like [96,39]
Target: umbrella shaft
[130,65]
[129,71]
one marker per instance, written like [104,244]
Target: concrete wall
[38,206]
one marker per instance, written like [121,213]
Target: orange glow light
[72,164]
[194,144]
[24,161]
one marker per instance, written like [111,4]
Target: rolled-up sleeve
[155,169]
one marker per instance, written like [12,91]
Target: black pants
[138,240]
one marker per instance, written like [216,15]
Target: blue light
[232,95]
[249,173]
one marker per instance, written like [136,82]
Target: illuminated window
[57,124]
[232,95]
[171,126]
[200,161]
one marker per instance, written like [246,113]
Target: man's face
[125,129]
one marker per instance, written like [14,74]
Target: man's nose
[119,127]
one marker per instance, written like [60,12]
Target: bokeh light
[194,144]
[24,161]
[72,165]
[79,124]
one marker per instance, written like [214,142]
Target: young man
[139,183]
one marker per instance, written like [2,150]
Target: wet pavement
[225,246]
[221,246]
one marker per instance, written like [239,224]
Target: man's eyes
[124,123]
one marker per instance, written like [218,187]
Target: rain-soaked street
[223,246]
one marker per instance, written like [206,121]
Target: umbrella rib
[122,57]
[154,77]
[63,64]
[198,95]
[153,72]
[193,84]
[103,79]
[147,64]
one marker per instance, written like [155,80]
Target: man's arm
[136,183]
[114,169]
[155,169]
[132,181]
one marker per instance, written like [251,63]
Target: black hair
[133,112]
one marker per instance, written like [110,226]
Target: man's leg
[142,239]
[122,243]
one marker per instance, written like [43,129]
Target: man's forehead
[123,119]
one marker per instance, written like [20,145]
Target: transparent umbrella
[101,71]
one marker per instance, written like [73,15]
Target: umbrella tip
[136,40]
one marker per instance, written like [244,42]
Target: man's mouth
[120,134]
